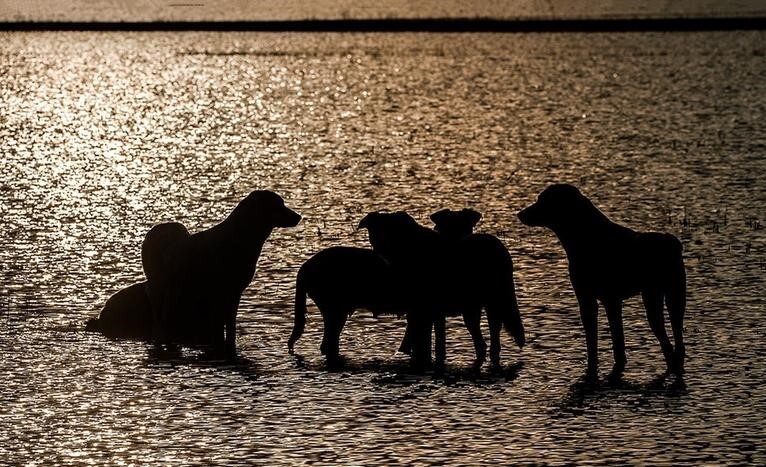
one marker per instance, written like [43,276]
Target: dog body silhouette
[341,280]
[200,278]
[609,263]
[448,274]
[126,315]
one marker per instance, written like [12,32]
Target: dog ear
[439,216]
[473,216]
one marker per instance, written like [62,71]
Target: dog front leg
[589,317]
[406,345]
[230,340]
[420,328]
[614,315]
[440,336]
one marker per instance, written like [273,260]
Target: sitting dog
[127,315]
[445,276]
[205,274]
[194,282]
[609,263]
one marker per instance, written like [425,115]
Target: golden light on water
[104,135]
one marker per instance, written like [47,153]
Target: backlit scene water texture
[106,134]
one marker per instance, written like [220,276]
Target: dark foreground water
[103,135]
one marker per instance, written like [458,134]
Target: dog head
[556,206]
[391,233]
[455,224]
[268,208]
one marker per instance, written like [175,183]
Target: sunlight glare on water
[106,134]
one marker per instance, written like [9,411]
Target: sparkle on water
[104,134]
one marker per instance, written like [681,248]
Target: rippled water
[104,134]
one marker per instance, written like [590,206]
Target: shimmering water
[104,134]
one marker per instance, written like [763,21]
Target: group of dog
[194,282]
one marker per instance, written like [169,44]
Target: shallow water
[105,134]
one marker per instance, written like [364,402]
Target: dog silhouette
[341,280]
[204,274]
[126,315]
[448,275]
[194,282]
[609,263]
[485,268]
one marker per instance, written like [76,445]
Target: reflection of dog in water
[609,263]
[194,282]
[448,274]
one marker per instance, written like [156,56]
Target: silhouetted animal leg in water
[614,316]
[230,326]
[653,304]
[676,301]
[420,338]
[334,320]
[589,317]
[471,321]
[440,333]
[495,326]
[406,345]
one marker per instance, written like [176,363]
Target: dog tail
[512,317]
[300,310]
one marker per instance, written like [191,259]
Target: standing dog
[207,272]
[447,276]
[609,263]
[484,268]
[341,280]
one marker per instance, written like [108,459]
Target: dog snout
[524,215]
[533,216]
[291,218]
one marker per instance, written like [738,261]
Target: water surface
[106,134]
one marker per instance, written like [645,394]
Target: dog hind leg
[420,332]
[334,319]
[406,345]
[654,314]
[495,326]
[440,339]
[472,323]
[675,297]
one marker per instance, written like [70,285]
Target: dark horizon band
[452,25]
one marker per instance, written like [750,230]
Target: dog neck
[586,230]
[247,237]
